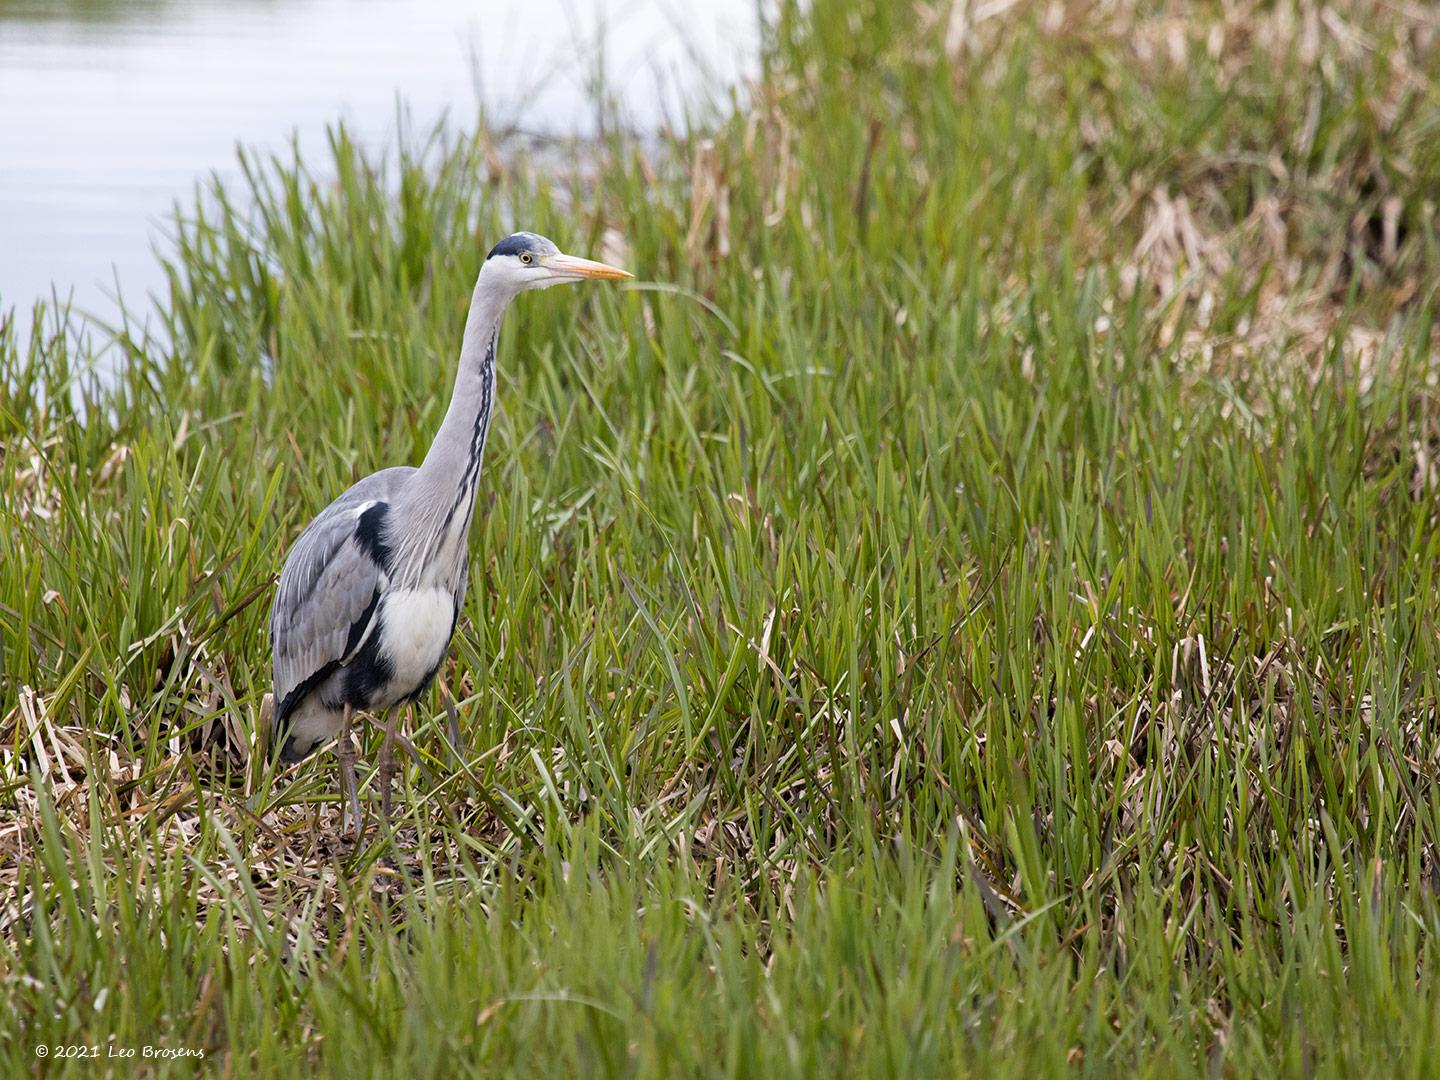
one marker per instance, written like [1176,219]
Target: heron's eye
[526,258]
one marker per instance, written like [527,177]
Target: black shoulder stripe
[370,535]
[357,628]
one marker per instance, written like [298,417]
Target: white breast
[415,632]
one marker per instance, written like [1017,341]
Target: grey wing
[328,591]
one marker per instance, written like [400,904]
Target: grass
[969,609]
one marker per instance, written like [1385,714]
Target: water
[112,111]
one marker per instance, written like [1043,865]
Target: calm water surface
[111,111]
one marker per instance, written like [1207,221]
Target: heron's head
[529,261]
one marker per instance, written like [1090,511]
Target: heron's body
[345,567]
[371,592]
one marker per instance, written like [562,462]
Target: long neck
[441,498]
[453,462]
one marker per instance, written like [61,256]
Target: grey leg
[387,762]
[453,713]
[350,789]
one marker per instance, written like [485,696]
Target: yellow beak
[584,268]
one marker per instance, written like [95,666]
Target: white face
[540,270]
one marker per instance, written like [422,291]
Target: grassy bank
[970,608]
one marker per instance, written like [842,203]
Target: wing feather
[328,593]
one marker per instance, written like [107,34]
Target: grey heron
[371,592]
